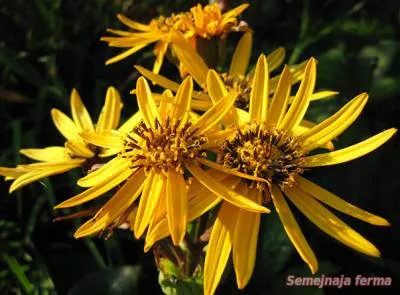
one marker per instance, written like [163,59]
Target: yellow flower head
[238,78]
[152,159]
[76,151]
[200,22]
[272,146]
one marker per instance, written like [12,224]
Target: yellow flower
[200,22]
[153,158]
[267,147]
[235,79]
[76,151]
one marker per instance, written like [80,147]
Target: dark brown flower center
[265,153]
[167,146]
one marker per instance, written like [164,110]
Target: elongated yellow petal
[177,202]
[133,24]
[65,125]
[166,100]
[181,106]
[302,99]
[12,173]
[219,247]
[339,204]
[105,139]
[37,174]
[241,56]
[329,223]
[44,165]
[188,56]
[131,123]
[101,174]
[110,114]
[114,178]
[118,204]
[280,99]
[199,203]
[126,53]
[79,149]
[49,154]
[244,246]
[216,166]
[158,79]
[167,83]
[276,58]
[80,114]
[158,217]
[214,115]
[334,125]
[155,184]
[259,91]
[350,153]
[160,50]
[223,192]
[146,103]
[322,95]
[215,86]
[235,11]
[293,230]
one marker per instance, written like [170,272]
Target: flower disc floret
[167,146]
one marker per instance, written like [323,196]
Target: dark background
[47,47]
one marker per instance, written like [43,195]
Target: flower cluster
[215,158]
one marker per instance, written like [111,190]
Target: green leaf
[118,281]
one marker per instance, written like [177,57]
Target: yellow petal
[350,153]
[49,154]
[12,173]
[276,58]
[244,246]
[126,53]
[259,91]
[79,149]
[219,247]
[146,103]
[110,114]
[105,139]
[117,205]
[302,99]
[293,230]
[280,99]
[160,50]
[214,115]
[334,125]
[158,79]
[329,223]
[223,192]
[80,114]
[65,125]
[323,94]
[216,166]
[177,202]
[132,24]
[155,184]
[241,56]
[188,56]
[37,174]
[101,174]
[181,106]
[215,86]
[114,178]
[339,204]
[131,123]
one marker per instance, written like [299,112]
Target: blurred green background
[48,47]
